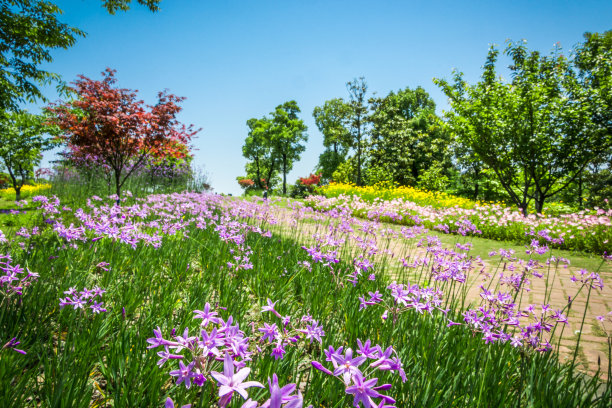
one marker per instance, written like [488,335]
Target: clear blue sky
[235,60]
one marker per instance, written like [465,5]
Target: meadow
[195,298]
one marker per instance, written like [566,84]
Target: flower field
[26,191]
[585,230]
[189,298]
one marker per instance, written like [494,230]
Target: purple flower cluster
[499,319]
[404,298]
[84,299]
[218,341]
[352,372]
[13,280]
[288,333]
[591,279]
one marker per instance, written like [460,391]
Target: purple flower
[365,349]
[320,367]
[170,404]
[279,351]
[270,332]
[347,365]
[314,332]
[184,374]
[362,391]
[165,356]
[282,395]
[12,343]
[206,315]
[97,307]
[230,382]
[270,308]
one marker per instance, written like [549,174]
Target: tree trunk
[118,186]
[17,193]
[580,206]
[258,174]
[359,161]
[539,203]
[284,174]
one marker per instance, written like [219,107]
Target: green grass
[76,359]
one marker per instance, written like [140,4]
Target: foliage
[288,136]
[110,125]
[112,6]
[358,124]
[407,136]
[29,30]
[273,144]
[22,141]
[433,178]
[332,121]
[258,148]
[536,132]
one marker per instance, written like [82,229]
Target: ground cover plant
[585,230]
[199,299]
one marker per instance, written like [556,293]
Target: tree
[120,131]
[359,120]
[112,6]
[259,149]
[594,62]
[536,132]
[332,121]
[29,30]
[23,138]
[408,138]
[288,136]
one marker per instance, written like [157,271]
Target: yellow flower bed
[26,191]
[389,192]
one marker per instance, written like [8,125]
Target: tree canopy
[111,125]
[535,132]
[29,30]
[274,144]
[332,120]
[407,136]
[288,137]
[23,138]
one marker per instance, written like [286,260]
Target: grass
[75,358]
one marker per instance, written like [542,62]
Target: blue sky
[235,60]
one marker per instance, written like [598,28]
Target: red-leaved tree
[111,125]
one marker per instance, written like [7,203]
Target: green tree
[288,136]
[594,61]
[536,131]
[259,149]
[29,30]
[23,138]
[112,6]
[359,121]
[332,120]
[408,137]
